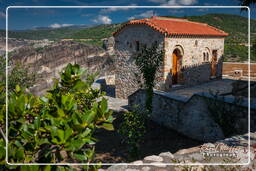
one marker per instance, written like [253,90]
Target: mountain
[72,32]
[235,25]
[235,44]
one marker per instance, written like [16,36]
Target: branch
[2,134]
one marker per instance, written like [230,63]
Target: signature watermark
[222,150]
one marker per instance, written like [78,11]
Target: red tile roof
[174,26]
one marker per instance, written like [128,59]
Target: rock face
[196,121]
[108,45]
[48,61]
[198,117]
[167,161]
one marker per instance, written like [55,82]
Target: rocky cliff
[48,61]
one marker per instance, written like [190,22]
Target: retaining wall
[193,117]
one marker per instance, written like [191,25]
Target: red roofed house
[193,52]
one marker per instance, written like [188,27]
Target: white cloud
[146,14]
[2,15]
[56,25]
[102,19]
[202,9]
[113,9]
[176,11]
[174,2]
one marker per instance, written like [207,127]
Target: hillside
[236,26]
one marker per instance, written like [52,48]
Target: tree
[247,2]
[148,60]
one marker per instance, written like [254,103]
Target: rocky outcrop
[231,151]
[202,117]
[48,61]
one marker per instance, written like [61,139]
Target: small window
[127,43]
[205,57]
[196,43]
[137,45]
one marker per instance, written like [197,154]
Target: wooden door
[174,68]
[214,63]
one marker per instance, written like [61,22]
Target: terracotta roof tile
[174,26]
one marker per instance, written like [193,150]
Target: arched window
[204,56]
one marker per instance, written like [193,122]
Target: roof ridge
[155,23]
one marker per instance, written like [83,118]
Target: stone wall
[128,77]
[194,69]
[193,117]
[192,49]
[236,69]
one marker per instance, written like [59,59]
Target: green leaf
[107,126]
[47,168]
[60,112]
[104,105]
[37,122]
[81,157]
[68,133]
[17,88]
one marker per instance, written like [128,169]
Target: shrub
[132,130]
[59,126]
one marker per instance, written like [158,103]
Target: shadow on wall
[197,74]
[203,117]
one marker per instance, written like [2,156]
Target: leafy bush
[59,126]
[148,61]
[132,130]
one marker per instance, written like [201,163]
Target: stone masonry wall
[192,117]
[193,71]
[192,48]
[128,77]
[230,68]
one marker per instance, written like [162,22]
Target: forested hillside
[236,47]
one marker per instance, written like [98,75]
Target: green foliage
[96,32]
[17,75]
[237,53]
[95,42]
[235,25]
[59,126]
[132,130]
[148,60]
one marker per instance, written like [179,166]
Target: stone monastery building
[193,52]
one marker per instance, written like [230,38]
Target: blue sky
[27,18]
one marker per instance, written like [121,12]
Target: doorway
[176,64]
[214,63]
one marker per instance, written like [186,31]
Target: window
[137,45]
[205,57]
[196,43]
